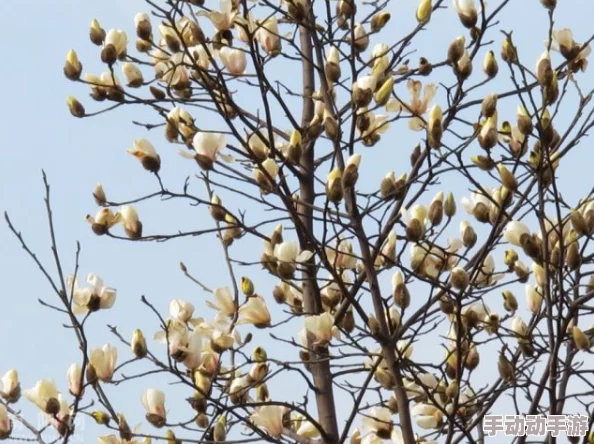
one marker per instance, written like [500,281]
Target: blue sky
[38,132]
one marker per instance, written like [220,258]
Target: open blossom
[146,153]
[417,105]
[104,361]
[270,418]
[103,221]
[519,327]
[60,419]
[255,312]
[208,147]
[224,17]
[322,328]
[564,43]
[93,297]
[224,302]
[177,337]
[289,252]
[486,276]
[11,388]
[194,350]
[154,403]
[427,416]
[378,421]
[342,256]
[181,310]
[44,395]
[74,375]
[220,332]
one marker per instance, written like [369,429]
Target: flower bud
[469,237]
[75,107]
[508,51]
[334,190]
[425,68]
[424,11]
[133,75]
[456,49]
[464,66]
[573,257]
[508,180]
[138,344]
[143,25]
[490,66]
[505,368]
[99,195]
[449,206]
[582,342]
[331,126]
[247,286]
[510,303]
[579,224]
[351,171]
[549,4]
[100,417]
[379,20]
[361,38]
[383,94]
[434,127]
[544,70]
[96,33]
[219,433]
[388,185]
[459,278]
[510,258]
[72,66]
[489,105]
[216,209]
[524,121]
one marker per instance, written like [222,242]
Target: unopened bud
[247,286]
[96,33]
[138,344]
[506,369]
[508,180]
[379,20]
[510,303]
[449,207]
[459,278]
[582,342]
[75,107]
[489,105]
[490,66]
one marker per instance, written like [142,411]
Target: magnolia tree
[389,289]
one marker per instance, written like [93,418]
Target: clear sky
[38,132]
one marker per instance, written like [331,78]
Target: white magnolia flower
[154,403]
[427,416]
[75,381]
[194,350]
[476,198]
[11,388]
[181,310]
[118,39]
[44,395]
[224,17]
[486,276]
[533,298]
[417,106]
[378,421]
[209,145]
[519,327]
[255,312]
[289,252]
[177,335]
[514,231]
[93,297]
[234,60]
[322,328]
[270,418]
[268,36]
[224,302]
[104,361]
